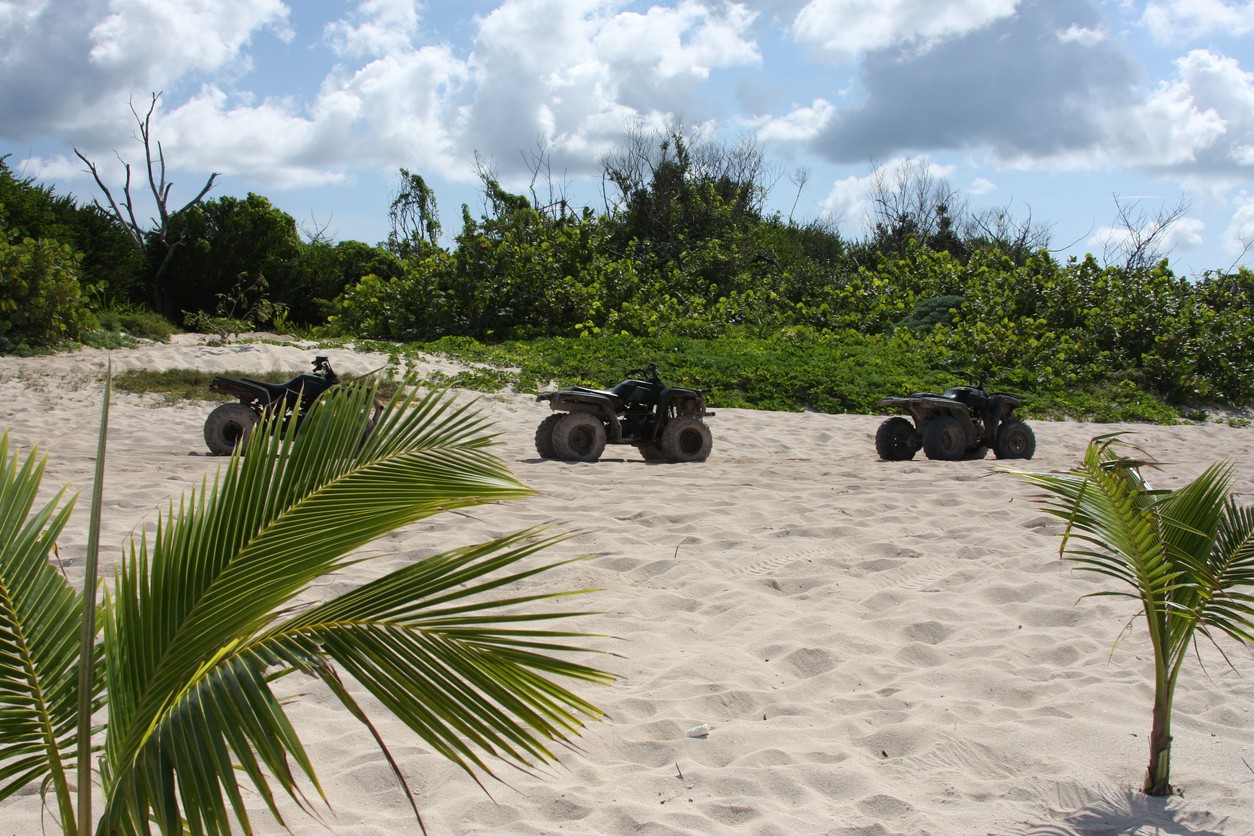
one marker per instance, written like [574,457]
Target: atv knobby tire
[228,426]
[651,452]
[686,439]
[944,439]
[578,437]
[1015,440]
[895,440]
[544,436]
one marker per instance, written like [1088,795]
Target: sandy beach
[877,648]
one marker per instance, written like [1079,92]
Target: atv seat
[276,390]
[588,390]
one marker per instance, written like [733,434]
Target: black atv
[963,423]
[665,423]
[231,424]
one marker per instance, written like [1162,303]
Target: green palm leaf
[40,614]
[1187,556]
[206,613]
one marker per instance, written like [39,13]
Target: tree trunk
[1158,774]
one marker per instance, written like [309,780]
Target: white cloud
[1205,114]
[1171,21]
[1185,234]
[1198,124]
[1239,236]
[846,202]
[982,186]
[845,28]
[56,169]
[153,40]
[577,74]
[404,107]
[377,28]
[394,108]
[1082,35]
[268,142]
[800,125]
[686,41]
[1046,98]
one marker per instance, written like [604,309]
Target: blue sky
[1052,109]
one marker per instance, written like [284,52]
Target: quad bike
[231,424]
[963,423]
[665,423]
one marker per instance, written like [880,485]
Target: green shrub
[41,302]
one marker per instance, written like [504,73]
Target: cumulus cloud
[1183,235]
[393,108]
[846,201]
[267,140]
[73,65]
[981,186]
[274,92]
[1176,20]
[375,28]
[849,201]
[161,39]
[1201,122]
[1016,86]
[800,125]
[1239,236]
[845,28]
[577,74]
[1082,35]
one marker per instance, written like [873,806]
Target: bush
[41,302]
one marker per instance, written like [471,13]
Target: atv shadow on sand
[962,423]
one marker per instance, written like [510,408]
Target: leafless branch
[1139,238]
[124,212]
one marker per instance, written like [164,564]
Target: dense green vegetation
[845,372]
[684,267]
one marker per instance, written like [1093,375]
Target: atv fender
[595,402]
[244,389]
[926,407]
[960,413]
[1001,407]
[685,401]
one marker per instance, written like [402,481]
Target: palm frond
[198,621]
[1108,508]
[427,643]
[40,613]
[1229,570]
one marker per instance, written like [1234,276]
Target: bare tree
[799,177]
[540,163]
[1140,238]
[634,167]
[630,168]
[1247,246]
[909,198]
[317,232]
[1017,238]
[158,230]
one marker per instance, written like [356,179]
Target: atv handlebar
[651,371]
[976,380]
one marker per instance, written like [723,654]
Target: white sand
[879,648]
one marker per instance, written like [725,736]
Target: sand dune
[878,648]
